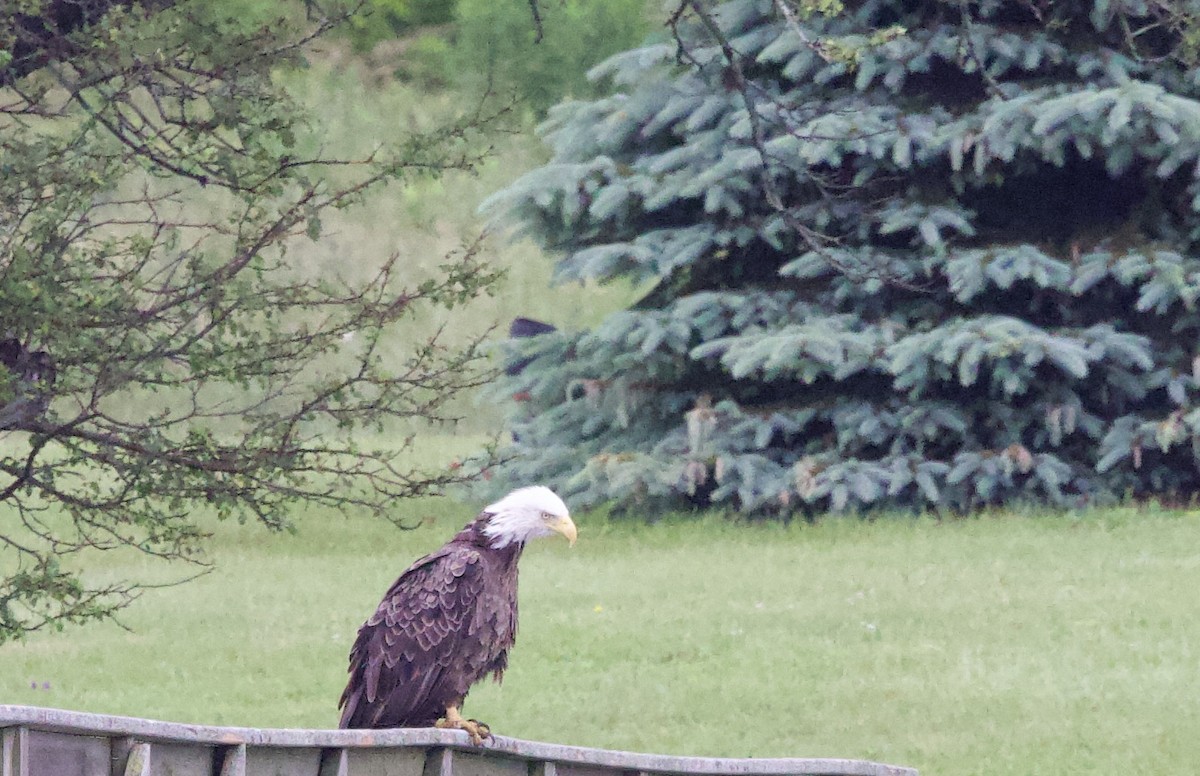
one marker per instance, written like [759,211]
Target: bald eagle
[448,621]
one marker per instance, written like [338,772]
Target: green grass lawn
[997,645]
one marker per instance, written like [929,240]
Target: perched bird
[448,621]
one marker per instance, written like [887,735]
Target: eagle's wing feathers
[398,661]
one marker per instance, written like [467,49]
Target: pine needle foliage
[915,255]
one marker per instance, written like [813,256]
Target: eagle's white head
[528,513]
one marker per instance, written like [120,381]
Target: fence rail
[53,742]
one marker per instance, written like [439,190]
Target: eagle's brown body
[448,621]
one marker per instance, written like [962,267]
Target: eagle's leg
[477,730]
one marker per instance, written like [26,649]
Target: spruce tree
[915,255]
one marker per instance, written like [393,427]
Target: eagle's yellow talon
[476,730]
[482,731]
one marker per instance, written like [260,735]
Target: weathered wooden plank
[579,761]
[583,769]
[64,754]
[439,761]
[485,763]
[386,761]
[134,756]
[334,762]
[233,760]
[282,761]
[15,752]
[184,759]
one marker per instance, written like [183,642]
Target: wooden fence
[52,742]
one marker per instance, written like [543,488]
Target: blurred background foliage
[475,46]
[497,41]
[402,64]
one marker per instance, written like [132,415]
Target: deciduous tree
[161,357]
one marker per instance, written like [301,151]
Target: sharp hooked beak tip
[565,526]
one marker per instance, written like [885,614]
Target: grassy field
[998,645]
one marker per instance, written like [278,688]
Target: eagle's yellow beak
[566,527]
